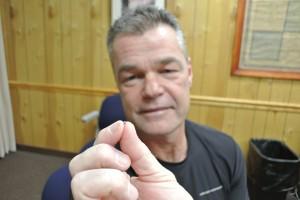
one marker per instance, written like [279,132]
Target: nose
[152,86]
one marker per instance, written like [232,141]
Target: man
[154,76]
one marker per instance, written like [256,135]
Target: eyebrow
[168,60]
[163,61]
[126,67]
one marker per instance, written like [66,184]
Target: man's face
[154,79]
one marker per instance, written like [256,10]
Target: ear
[190,71]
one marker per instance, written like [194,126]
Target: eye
[166,71]
[170,69]
[129,78]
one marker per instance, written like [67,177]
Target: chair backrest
[111,110]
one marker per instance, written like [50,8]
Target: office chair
[58,185]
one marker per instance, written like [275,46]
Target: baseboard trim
[45,151]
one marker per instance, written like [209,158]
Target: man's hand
[100,171]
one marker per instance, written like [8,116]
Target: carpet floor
[24,173]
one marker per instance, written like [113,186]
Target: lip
[154,110]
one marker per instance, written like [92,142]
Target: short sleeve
[238,188]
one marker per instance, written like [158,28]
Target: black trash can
[272,170]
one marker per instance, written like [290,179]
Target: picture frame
[267,40]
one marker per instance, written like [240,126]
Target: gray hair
[142,19]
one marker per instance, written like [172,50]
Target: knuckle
[77,183]
[103,154]
[73,165]
[122,180]
[80,185]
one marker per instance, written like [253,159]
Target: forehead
[153,43]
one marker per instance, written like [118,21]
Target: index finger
[110,135]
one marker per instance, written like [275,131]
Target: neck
[169,148]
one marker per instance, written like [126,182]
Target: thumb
[142,160]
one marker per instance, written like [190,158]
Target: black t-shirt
[214,168]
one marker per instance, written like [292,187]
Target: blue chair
[58,185]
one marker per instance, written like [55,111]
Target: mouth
[154,110]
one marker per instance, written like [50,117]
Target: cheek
[130,98]
[128,107]
[184,84]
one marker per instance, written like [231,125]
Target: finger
[99,156]
[142,160]
[102,183]
[111,134]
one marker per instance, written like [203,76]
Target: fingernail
[115,126]
[122,159]
[129,124]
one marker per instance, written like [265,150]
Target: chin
[162,128]
[155,132]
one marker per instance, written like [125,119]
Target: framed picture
[119,6]
[267,39]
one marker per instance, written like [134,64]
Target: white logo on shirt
[210,191]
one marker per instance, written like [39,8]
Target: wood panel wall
[59,69]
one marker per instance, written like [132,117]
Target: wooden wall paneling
[217,61]
[201,23]
[87,61]
[209,64]
[17,63]
[215,116]
[232,91]
[69,124]
[97,101]
[280,92]
[197,56]
[77,45]
[22,117]
[53,41]
[292,132]
[229,120]
[107,76]
[224,62]
[80,14]
[53,48]
[260,117]
[199,43]
[244,117]
[87,106]
[292,125]
[89,129]
[34,26]
[66,26]
[232,83]
[97,35]
[211,68]
[193,113]
[99,26]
